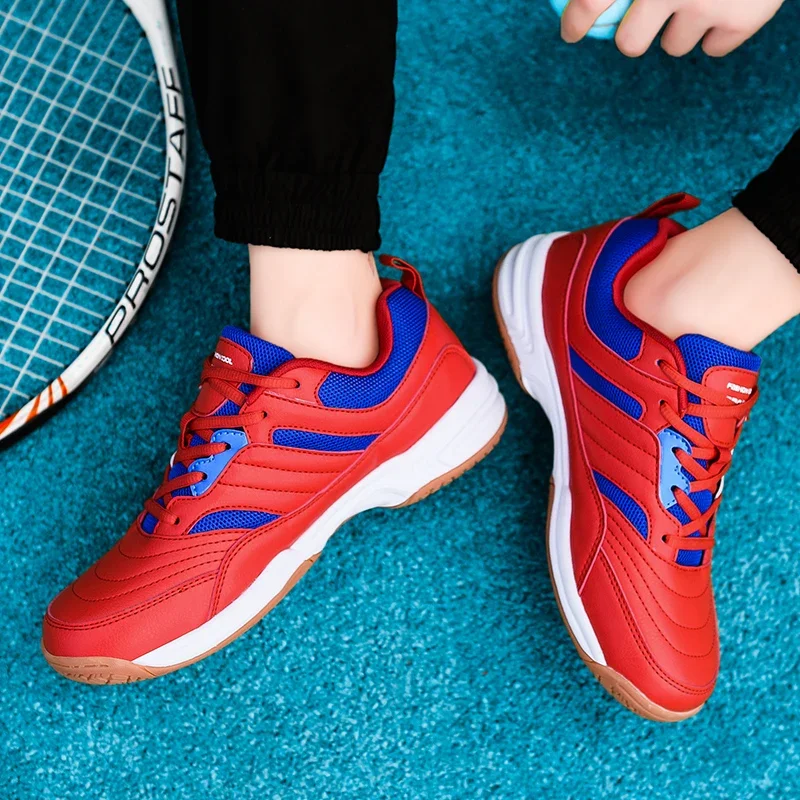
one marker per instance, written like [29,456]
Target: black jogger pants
[295,101]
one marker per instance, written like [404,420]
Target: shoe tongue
[248,352]
[241,350]
[724,369]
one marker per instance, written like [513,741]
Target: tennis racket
[92,160]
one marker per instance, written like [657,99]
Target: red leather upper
[655,619]
[153,587]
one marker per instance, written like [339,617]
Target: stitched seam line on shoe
[133,611]
[267,489]
[661,607]
[138,588]
[643,649]
[156,569]
[623,542]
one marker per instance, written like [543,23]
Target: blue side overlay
[622,400]
[322,442]
[629,508]
[671,474]
[605,319]
[231,520]
[213,465]
[409,315]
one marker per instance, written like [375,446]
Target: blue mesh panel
[308,440]
[266,356]
[176,471]
[228,407]
[701,353]
[689,558]
[149,523]
[602,314]
[630,509]
[611,392]
[409,315]
[232,520]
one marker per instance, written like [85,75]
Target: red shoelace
[718,459]
[225,381]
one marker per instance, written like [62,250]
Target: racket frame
[154,21]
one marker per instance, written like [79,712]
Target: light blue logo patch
[672,475]
[213,465]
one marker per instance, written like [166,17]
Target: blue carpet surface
[423,656]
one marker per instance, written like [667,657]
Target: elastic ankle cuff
[775,211]
[308,212]
[771,202]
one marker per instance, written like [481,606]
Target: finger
[683,33]
[579,16]
[641,25]
[719,42]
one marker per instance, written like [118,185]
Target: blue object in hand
[607,22]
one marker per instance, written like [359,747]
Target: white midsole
[462,432]
[519,295]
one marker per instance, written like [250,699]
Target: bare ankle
[723,279]
[654,293]
[316,304]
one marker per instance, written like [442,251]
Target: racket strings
[81,171]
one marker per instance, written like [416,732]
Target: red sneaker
[644,429]
[275,454]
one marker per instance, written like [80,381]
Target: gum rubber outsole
[101,671]
[616,684]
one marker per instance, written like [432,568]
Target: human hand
[722,25]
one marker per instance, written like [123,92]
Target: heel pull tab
[411,278]
[669,205]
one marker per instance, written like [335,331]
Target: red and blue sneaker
[274,455]
[644,428]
